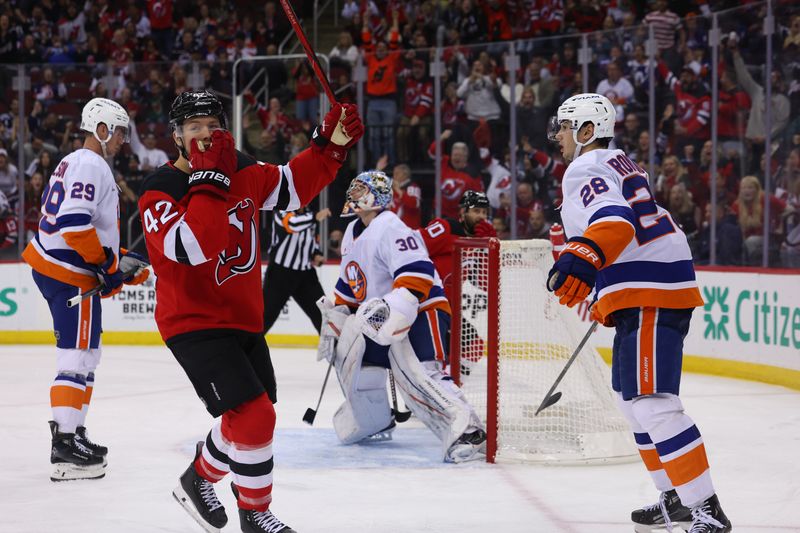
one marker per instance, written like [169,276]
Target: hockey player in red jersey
[200,218]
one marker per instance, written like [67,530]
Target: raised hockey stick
[399,416]
[311,414]
[75,300]
[312,56]
[550,398]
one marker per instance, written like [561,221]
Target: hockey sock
[213,463]
[249,428]
[87,398]
[66,399]
[647,450]
[679,445]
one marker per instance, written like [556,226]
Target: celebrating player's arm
[400,323]
[628,249]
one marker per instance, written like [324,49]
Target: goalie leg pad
[366,409]
[432,396]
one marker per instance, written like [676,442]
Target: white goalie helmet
[104,111]
[369,191]
[583,108]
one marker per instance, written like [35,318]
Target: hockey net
[510,338]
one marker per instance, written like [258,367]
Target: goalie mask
[369,191]
[580,109]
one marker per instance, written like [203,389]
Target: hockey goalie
[391,314]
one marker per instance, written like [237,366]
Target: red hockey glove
[575,272]
[484,229]
[340,129]
[213,165]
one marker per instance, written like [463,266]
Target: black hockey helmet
[474,199]
[191,104]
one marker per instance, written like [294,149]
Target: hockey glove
[213,165]
[573,275]
[387,320]
[484,229]
[109,274]
[333,319]
[340,129]
[135,266]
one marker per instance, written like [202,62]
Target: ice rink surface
[145,411]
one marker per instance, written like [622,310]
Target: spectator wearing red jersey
[406,197]
[456,179]
[734,105]
[526,202]
[692,106]
[273,119]
[160,14]
[415,122]
[498,25]
[306,95]
[382,70]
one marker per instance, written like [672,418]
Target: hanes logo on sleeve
[209,176]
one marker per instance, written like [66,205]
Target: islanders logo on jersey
[356,280]
[241,254]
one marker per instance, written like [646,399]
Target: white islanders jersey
[655,269]
[383,256]
[81,200]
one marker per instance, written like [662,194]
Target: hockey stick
[75,300]
[312,57]
[551,398]
[311,414]
[399,416]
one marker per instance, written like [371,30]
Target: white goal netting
[535,338]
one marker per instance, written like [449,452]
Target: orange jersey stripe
[41,265]
[84,324]
[338,300]
[414,284]
[87,244]
[442,304]
[611,236]
[664,298]
[65,396]
[433,321]
[647,361]
[87,397]
[651,460]
[688,466]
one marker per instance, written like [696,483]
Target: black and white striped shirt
[294,239]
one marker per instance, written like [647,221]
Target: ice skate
[83,438]
[258,522]
[668,512]
[71,460]
[468,447]
[709,518]
[199,498]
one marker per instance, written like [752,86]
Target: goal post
[509,340]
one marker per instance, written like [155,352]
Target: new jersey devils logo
[242,252]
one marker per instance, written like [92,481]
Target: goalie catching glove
[573,276]
[387,320]
[340,129]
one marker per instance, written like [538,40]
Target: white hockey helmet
[104,111]
[583,108]
[376,195]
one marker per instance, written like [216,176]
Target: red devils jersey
[205,250]
[438,237]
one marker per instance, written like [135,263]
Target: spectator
[275,23]
[693,105]
[538,227]
[456,179]
[501,227]
[616,88]
[544,88]
[34,187]
[9,123]
[453,114]
[672,173]
[42,164]
[149,155]
[159,12]
[532,120]
[9,233]
[729,238]
[71,25]
[682,209]
[470,24]
[749,208]
[734,105]
[665,25]
[344,54]
[480,101]
[497,21]
[139,21]
[626,140]
[49,90]
[33,149]
[9,39]
[9,178]
[306,95]
[382,70]
[30,52]
[297,143]
[526,202]
[406,197]
[417,117]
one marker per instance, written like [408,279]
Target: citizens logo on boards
[753,316]
[8,306]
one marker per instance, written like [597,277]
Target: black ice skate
[667,512]
[260,522]
[83,438]
[469,446]
[709,518]
[71,460]
[199,498]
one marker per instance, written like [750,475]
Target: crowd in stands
[144,53]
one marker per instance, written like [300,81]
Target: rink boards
[749,327]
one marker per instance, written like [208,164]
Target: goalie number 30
[163,214]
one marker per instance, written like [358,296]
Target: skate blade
[182,498]
[677,527]
[71,472]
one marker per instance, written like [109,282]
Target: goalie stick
[550,398]
[399,416]
[311,414]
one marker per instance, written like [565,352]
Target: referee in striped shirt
[293,254]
